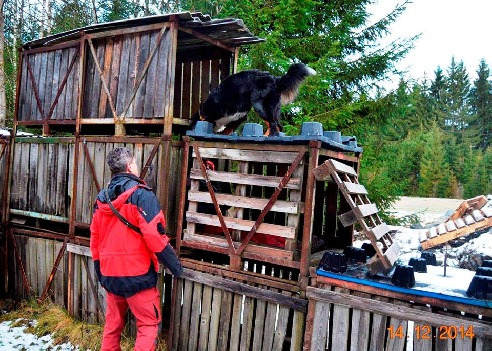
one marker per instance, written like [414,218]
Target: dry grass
[54,320]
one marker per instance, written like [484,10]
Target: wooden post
[308,214]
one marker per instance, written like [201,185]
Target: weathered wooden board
[238,224]
[247,155]
[220,317]
[244,202]
[245,179]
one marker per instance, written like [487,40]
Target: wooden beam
[246,290]
[207,38]
[444,238]
[244,202]
[245,179]
[241,224]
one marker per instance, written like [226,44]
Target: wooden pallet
[363,212]
[471,216]
[233,231]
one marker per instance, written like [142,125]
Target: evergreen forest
[426,136]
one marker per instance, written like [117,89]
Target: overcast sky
[459,28]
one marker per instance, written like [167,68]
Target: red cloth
[145,307]
[271,240]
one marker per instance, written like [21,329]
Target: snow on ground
[429,212]
[16,338]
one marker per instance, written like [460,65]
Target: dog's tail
[288,85]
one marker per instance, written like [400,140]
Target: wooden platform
[471,216]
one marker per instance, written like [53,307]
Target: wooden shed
[145,75]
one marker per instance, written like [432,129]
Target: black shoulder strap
[120,216]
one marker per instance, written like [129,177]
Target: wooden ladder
[363,212]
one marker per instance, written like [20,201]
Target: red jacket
[127,261]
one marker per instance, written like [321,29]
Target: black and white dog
[228,104]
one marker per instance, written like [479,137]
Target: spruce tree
[481,107]
[434,175]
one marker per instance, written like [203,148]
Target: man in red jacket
[126,248]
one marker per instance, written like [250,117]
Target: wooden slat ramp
[471,216]
[363,212]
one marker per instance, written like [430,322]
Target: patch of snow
[16,338]
[6,133]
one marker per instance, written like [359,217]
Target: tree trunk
[3,99]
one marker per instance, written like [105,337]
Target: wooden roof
[230,32]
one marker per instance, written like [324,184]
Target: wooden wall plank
[244,179]
[32,186]
[123,74]
[247,327]
[195,316]
[142,56]
[96,90]
[36,69]
[250,156]
[259,324]
[213,337]
[151,80]
[71,101]
[184,333]
[61,207]
[59,280]
[225,321]
[195,87]
[132,74]
[84,289]
[59,112]
[361,327]
[269,333]
[378,330]
[92,303]
[245,202]
[176,325]
[43,67]
[297,337]
[24,91]
[205,318]
[51,90]
[238,224]
[205,81]
[320,326]
[178,94]
[76,298]
[115,75]
[162,75]
[56,82]
[396,342]
[341,329]
[236,323]
[186,91]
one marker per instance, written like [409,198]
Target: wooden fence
[351,317]
[251,312]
